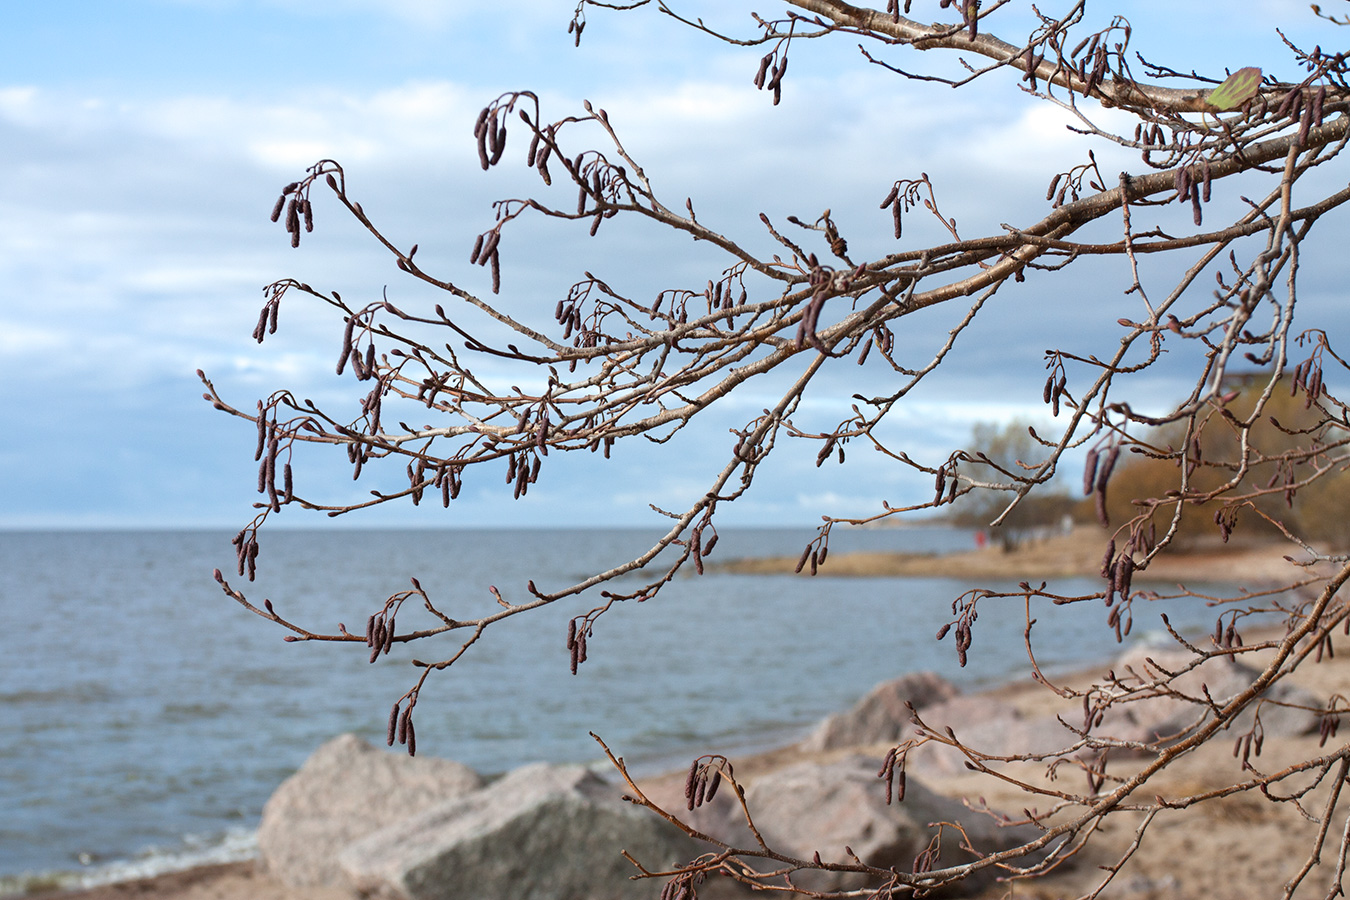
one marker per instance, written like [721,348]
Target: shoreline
[1076,554]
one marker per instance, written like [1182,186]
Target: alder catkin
[1054,184]
[346,344]
[763,70]
[1104,471]
[262,433]
[500,142]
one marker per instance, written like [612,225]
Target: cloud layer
[134,240]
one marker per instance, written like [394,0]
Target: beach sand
[1238,847]
[1079,552]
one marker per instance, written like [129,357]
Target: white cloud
[134,240]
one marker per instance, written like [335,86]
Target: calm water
[145,717]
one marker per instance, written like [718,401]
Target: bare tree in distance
[998,451]
[611,367]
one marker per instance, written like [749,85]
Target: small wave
[81,693]
[233,845]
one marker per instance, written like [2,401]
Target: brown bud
[393,724]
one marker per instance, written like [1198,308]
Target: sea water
[145,717]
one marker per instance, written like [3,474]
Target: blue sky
[143,143]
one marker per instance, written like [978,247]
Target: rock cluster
[389,827]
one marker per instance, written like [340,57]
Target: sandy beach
[1239,847]
[1077,553]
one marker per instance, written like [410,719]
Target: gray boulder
[344,791]
[542,832]
[988,725]
[811,807]
[1161,717]
[881,716]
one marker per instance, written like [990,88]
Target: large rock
[1159,717]
[344,791]
[540,833]
[988,725]
[880,717]
[811,807]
